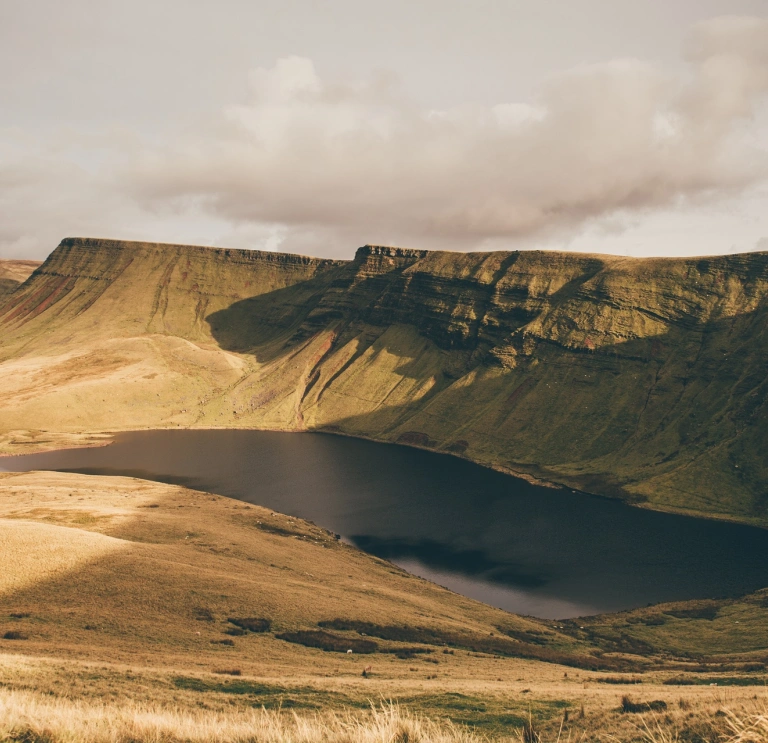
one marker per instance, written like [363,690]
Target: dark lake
[524,548]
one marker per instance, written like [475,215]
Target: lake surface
[524,548]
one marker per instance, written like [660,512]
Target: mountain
[642,379]
[13,273]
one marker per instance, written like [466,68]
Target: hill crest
[636,378]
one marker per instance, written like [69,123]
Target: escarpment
[148,286]
[641,379]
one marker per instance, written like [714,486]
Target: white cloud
[600,140]
[314,166]
[43,193]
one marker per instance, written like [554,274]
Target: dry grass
[146,628]
[749,728]
[589,713]
[33,718]
[35,552]
[744,726]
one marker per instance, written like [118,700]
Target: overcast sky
[635,127]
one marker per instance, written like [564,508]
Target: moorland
[634,379]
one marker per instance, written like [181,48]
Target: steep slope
[641,379]
[12,274]
[110,335]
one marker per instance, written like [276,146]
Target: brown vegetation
[628,705]
[329,642]
[135,603]
[35,719]
[252,624]
[526,647]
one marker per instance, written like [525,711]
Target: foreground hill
[124,592]
[636,378]
[144,572]
[121,589]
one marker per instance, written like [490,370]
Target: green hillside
[636,378]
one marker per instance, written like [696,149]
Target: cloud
[311,165]
[46,194]
[68,184]
[619,137]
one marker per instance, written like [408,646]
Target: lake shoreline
[502,469]
[497,537]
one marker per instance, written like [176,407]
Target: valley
[637,380]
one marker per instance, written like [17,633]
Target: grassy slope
[129,603]
[131,595]
[640,379]
[13,273]
[168,566]
[710,631]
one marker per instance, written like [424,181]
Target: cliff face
[642,379]
[147,286]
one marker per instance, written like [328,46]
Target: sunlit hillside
[636,378]
[189,611]
[13,273]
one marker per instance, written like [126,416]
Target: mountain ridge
[634,378]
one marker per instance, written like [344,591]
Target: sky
[608,126]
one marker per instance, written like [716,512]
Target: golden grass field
[32,717]
[115,597]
